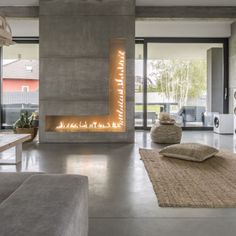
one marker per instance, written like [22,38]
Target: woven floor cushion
[166,134]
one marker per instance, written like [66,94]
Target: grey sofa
[43,204]
[192,114]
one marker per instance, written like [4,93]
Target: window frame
[146,40]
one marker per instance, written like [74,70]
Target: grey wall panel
[65,36]
[215,79]
[88,8]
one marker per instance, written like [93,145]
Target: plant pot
[31,131]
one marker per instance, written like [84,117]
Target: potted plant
[26,124]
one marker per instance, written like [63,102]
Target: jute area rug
[179,183]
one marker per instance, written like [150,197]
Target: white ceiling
[183,28]
[139,2]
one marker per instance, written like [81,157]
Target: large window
[178,79]
[20,81]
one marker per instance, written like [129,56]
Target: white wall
[24,27]
[144,28]
[151,28]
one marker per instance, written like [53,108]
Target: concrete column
[75,37]
[215,80]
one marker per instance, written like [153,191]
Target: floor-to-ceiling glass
[20,81]
[179,79]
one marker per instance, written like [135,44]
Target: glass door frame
[19,40]
[146,40]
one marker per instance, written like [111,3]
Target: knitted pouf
[166,133]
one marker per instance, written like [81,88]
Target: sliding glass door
[178,76]
[20,81]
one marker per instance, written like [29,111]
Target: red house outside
[21,76]
[20,89]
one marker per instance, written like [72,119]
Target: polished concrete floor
[121,198]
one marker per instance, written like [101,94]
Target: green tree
[179,80]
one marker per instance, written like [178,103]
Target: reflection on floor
[121,198]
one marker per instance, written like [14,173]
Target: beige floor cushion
[166,133]
[189,151]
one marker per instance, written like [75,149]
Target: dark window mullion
[145,85]
[1,70]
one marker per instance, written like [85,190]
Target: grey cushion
[47,205]
[189,151]
[9,182]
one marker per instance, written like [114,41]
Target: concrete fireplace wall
[75,38]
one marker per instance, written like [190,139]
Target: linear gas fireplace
[115,120]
